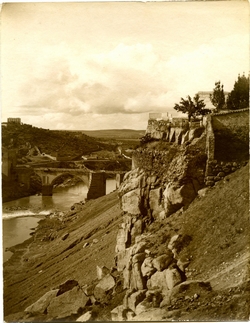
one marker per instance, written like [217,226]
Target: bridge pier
[97,185]
[47,190]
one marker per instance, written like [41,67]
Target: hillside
[181,250]
[64,143]
[213,238]
[115,133]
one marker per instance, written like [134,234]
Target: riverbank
[13,190]
[212,246]
[61,248]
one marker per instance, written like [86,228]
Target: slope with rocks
[194,264]
[175,262]
[66,246]
[181,249]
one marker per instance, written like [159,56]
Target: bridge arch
[50,175]
[95,181]
[83,178]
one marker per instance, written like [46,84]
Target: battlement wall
[178,130]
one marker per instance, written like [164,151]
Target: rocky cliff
[161,183]
[156,274]
[181,250]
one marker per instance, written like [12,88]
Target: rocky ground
[66,246]
[60,261]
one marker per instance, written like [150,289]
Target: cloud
[123,80]
[130,79]
[221,59]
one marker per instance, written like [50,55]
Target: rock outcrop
[152,193]
[153,278]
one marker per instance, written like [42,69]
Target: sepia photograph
[125,161]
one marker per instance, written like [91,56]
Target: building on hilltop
[160,116]
[205,96]
[14,120]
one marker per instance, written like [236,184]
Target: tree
[193,108]
[218,96]
[238,98]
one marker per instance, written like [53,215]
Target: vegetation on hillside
[115,133]
[72,144]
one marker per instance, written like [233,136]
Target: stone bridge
[94,180]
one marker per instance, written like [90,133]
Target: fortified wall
[162,183]
[178,130]
[227,143]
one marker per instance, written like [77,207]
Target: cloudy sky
[107,65]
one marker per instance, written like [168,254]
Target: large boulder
[173,277]
[85,317]
[162,262]
[155,196]
[118,313]
[88,289]
[172,242]
[137,281]
[158,281]
[139,247]
[123,259]
[147,268]
[136,230]
[121,239]
[132,180]
[102,271]
[106,283]
[41,305]
[67,304]
[131,201]
[175,197]
[143,306]
[136,298]
[139,257]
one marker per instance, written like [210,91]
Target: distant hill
[65,143]
[115,133]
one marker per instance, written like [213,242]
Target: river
[21,216]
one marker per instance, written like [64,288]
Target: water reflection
[18,222]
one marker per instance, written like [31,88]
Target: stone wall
[216,171]
[178,130]
[231,133]
[160,184]
[153,159]
[158,129]
[227,143]
[210,139]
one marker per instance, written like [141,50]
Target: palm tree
[193,108]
